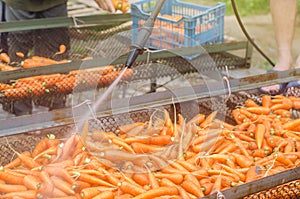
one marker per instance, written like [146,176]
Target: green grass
[245,7]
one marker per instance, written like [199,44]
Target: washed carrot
[29,194]
[10,177]
[92,179]
[259,135]
[182,192]
[260,110]
[254,173]
[4,57]
[242,160]
[105,195]
[127,187]
[145,148]
[175,177]
[32,182]
[192,188]
[160,191]
[208,120]
[62,49]
[141,178]
[251,103]
[20,54]
[16,162]
[62,185]
[90,192]
[8,188]
[266,101]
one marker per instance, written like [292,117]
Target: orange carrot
[91,192]
[242,160]
[190,187]
[208,120]
[8,188]
[29,194]
[10,177]
[62,185]
[254,173]
[92,179]
[167,183]
[266,101]
[145,148]
[62,49]
[16,162]
[259,135]
[259,110]
[4,57]
[160,191]
[32,182]
[174,177]
[105,195]
[141,178]
[20,54]
[251,103]
[130,188]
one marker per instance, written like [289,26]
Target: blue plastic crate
[180,24]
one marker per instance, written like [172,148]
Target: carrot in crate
[4,57]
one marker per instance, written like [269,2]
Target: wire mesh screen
[110,124]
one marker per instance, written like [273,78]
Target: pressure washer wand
[137,47]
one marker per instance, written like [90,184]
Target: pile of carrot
[63,83]
[165,158]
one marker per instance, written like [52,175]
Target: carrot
[208,120]
[254,173]
[281,158]
[259,135]
[32,182]
[130,188]
[251,103]
[49,151]
[145,148]
[197,120]
[187,165]
[62,185]
[64,197]
[62,49]
[29,194]
[80,185]
[160,140]
[8,188]
[4,57]
[20,54]
[152,180]
[242,160]
[292,124]
[91,192]
[92,179]
[141,178]
[234,171]
[266,101]
[192,188]
[175,177]
[160,191]
[167,183]
[16,162]
[260,110]
[10,177]
[123,145]
[105,195]
[218,183]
